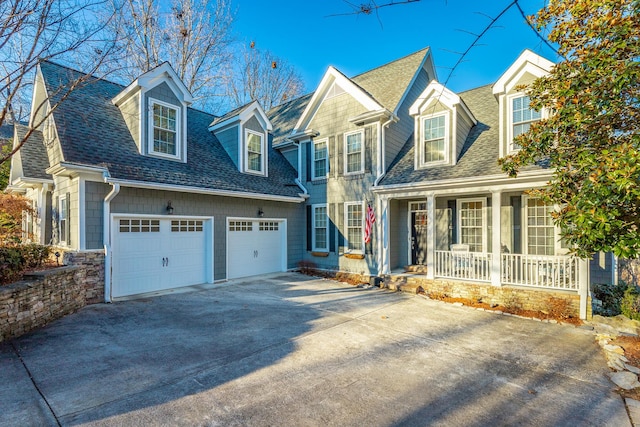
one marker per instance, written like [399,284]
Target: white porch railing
[463,265]
[544,271]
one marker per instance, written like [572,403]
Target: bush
[11,264]
[630,304]
[14,260]
[611,297]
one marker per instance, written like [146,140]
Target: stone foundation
[510,297]
[40,298]
[91,276]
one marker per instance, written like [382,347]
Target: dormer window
[354,152]
[434,139]
[254,151]
[521,118]
[164,129]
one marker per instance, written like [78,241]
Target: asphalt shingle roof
[33,154]
[284,117]
[387,83]
[92,131]
[478,157]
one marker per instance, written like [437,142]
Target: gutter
[106,238]
[382,170]
[298,180]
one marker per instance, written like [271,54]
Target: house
[164,195]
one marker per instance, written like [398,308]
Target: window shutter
[309,228]
[516,203]
[340,159]
[453,222]
[68,226]
[54,221]
[368,145]
[332,227]
[309,160]
[333,170]
[340,227]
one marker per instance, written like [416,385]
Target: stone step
[416,269]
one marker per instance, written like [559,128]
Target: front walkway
[293,350]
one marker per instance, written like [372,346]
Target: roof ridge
[391,62]
[92,75]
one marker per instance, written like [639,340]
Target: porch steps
[416,269]
[404,283]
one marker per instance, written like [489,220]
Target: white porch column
[496,256]
[383,233]
[431,236]
[583,286]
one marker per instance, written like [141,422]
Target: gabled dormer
[244,134]
[154,108]
[516,115]
[442,122]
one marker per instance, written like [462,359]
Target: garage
[158,253]
[255,247]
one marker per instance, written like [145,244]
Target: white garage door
[255,247]
[151,254]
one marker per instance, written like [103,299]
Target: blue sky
[303,33]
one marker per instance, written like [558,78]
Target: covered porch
[493,234]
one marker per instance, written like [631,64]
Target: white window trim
[447,141]
[314,247]
[263,152]
[62,237]
[346,154]
[557,242]
[509,148]
[150,127]
[483,200]
[313,159]
[346,228]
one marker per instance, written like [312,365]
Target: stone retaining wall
[39,299]
[93,271]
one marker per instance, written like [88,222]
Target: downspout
[106,238]
[381,155]
[298,180]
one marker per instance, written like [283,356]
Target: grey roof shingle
[230,114]
[33,154]
[478,157]
[284,117]
[92,131]
[387,83]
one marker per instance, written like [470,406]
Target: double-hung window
[320,228]
[164,129]
[353,221]
[434,143]
[254,151]
[320,159]
[472,224]
[541,233]
[354,152]
[521,117]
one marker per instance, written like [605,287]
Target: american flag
[368,223]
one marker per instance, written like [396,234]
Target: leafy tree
[591,136]
[5,168]
[12,207]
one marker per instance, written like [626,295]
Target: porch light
[169,208]
[260,212]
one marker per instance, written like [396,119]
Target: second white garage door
[255,247]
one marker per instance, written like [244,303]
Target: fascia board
[413,80]
[536,63]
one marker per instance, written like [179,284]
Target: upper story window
[521,118]
[164,129]
[254,152]
[434,139]
[354,152]
[320,159]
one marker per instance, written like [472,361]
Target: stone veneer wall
[39,299]
[92,276]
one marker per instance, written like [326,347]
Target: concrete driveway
[293,350]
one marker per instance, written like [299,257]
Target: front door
[419,237]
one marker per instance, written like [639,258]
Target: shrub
[11,264]
[610,296]
[35,255]
[630,304]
